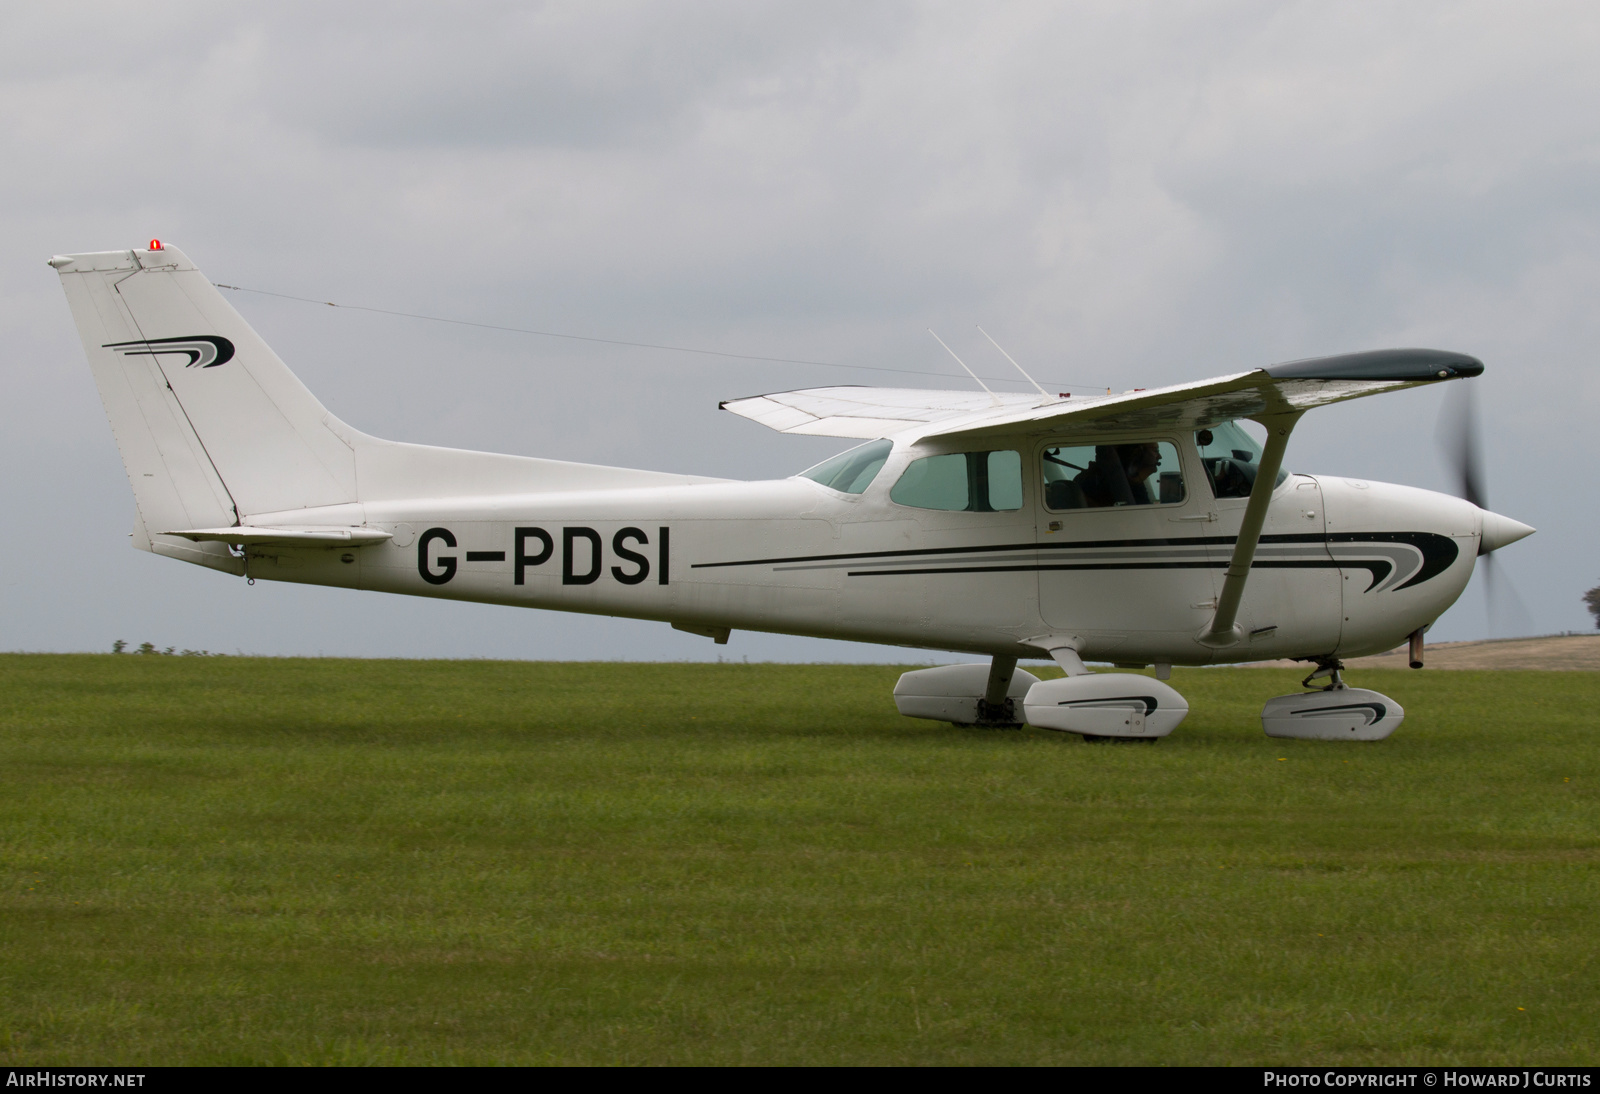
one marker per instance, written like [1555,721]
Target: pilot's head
[1141,460]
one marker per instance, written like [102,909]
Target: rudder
[211,424]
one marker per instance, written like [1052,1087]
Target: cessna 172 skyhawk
[1141,528]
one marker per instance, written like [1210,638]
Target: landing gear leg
[994,709]
[1330,667]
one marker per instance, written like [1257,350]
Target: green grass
[232,860]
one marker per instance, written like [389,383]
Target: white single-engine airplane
[1141,528]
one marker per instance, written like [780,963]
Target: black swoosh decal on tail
[203,350]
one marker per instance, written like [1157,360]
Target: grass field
[232,860]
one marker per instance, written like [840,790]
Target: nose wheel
[1333,712]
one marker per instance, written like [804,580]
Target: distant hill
[1556,652]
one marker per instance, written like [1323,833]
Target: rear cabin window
[853,471]
[972,482]
[1102,476]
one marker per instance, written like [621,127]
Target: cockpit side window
[1100,476]
[853,471]
[1231,457]
[973,482]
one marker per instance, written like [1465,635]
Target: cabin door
[1127,552]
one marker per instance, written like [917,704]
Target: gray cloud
[562,75]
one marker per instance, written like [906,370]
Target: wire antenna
[1013,360]
[590,338]
[963,364]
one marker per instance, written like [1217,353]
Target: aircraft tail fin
[211,424]
[216,432]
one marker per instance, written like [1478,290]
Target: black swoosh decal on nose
[1433,555]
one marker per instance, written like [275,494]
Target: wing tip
[1392,365]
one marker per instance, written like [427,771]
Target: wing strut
[1222,630]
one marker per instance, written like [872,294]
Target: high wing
[868,413]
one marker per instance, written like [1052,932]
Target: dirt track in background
[1561,652]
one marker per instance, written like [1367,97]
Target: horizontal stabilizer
[286,537]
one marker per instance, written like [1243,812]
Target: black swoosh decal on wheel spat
[1149,702]
[1378,710]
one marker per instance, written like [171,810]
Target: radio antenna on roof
[963,364]
[1013,360]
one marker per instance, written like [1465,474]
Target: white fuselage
[1344,567]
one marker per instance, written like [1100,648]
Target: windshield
[853,471]
[1231,457]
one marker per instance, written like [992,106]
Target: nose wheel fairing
[1339,714]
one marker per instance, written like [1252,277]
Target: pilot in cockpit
[1120,474]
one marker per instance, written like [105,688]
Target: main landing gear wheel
[1112,706]
[1106,706]
[988,696]
[1336,712]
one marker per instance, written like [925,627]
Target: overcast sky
[1124,194]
